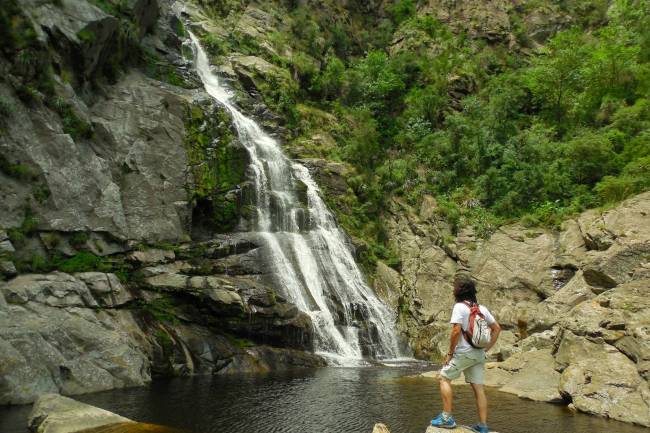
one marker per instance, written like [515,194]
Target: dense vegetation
[494,133]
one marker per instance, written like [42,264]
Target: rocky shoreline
[573,303]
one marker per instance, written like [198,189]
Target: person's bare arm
[496,330]
[453,341]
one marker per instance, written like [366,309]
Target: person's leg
[447,395]
[448,373]
[475,377]
[481,402]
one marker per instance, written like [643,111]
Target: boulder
[380,428]
[53,413]
[53,337]
[152,256]
[332,176]
[105,288]
[80,26]
[513,271]
[144,13]
[7,268]
[529,375]
[252,71]
[599,379]
[6,247]
[57,289]
[387,284]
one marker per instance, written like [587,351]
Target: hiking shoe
[443,421]
[478,428]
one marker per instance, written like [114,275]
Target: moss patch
[217,165]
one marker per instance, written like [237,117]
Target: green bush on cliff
[160,309]
[72,124]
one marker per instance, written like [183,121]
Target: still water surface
[329,400]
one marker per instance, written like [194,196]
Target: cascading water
[308,252]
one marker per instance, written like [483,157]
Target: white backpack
[478,334]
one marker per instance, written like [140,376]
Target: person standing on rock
[467,347]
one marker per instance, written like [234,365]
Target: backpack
[478,333]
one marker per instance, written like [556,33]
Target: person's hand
[448,358]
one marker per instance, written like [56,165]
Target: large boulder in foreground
[53,413]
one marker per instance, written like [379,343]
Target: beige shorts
[472,368]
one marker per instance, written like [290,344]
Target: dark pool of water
[329,400]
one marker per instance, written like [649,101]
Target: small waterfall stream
[312,262]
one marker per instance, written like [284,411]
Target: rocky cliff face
[573,303]
[117,176]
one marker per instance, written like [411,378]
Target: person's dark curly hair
[465,290]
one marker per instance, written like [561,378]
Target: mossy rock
[218,165]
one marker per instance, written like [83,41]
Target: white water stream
[309,255]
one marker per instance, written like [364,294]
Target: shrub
[401,10]
[79,239]
[15,170]
[84,262]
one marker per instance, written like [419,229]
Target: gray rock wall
[87,332]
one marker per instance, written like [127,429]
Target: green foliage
[160,309]
[634,179]
[240,342]
[544,140]
[16,31]
[217,165]
[41,193]
[214,44]
[15,170]
[111,7]
[87,36]
[402,10]
[28,226]
[79,239]
[161,70]
[83,262]
[493,135]
[72,124]
[179,29]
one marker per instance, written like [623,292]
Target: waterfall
[311,260]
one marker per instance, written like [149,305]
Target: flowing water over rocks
[308,251]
